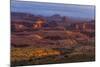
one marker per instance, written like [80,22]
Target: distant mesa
[29,22]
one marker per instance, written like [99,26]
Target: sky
[49,9]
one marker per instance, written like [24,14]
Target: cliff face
[29,21]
